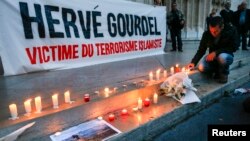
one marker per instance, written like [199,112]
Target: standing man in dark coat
[227,14]
[243,23]
[222,42]
[175,21]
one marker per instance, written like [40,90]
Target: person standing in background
[227,14]
[211,15]
[242,23]
[158,2]
[175,21]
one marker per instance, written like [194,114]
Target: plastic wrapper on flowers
[179,86]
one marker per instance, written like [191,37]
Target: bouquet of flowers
[177,85]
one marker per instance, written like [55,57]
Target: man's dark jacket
[227,43]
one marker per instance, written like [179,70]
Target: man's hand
[190,66]
[211,56]
[182,22]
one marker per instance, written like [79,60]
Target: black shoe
[244,49]
[173,50]
[180,50]
[223,78]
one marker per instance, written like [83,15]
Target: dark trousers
[249,39]
[176,33]
[243,36]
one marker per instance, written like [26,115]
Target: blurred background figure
[227,14]
[242,17]
[211,15]
[175,21]
[158,2]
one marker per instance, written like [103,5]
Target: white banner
[41,35]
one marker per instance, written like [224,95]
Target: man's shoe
[180,50]
[244,49]
[223,78]
[173,50]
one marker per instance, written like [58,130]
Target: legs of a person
[173,35]
[248,38]
[244,40]
[206,67]
[179,40]
[224,61]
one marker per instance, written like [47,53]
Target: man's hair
[217,20]
[174,3]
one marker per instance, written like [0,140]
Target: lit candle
[115,89]
[86,98]
[55,101]
[27,106]
[155,98]
[139,103]
[142,83]
[13,111]
[172,70]
[124,112]
[158,74]
[38,103]
[106,92]
[135,109]
[177,68]
[151,76]
[146,102]
[100,118]
[67,97]
[165,73]
[124,87]
[183,69]
[111,117]
[187,71]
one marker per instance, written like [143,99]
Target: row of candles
[173,70]
[140,104]
[38,104]
[38,101]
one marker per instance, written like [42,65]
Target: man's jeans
[220,65]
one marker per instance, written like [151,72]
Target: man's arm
[202,49]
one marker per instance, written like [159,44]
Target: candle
[115,89]
[158,74]
[67,97]
[177,68]
[146,102]
[55,101]
[124,87]
[187,71]
[155,98]
[13,111]
[111,117]
[139,103]
[165,73]
[135,109]
[100,118]
[151,76]
[38,104]
[183,69]
[135,83]
[142,83]
[86,98]
[27,106]
[172,70]
[106,92]
[124,112]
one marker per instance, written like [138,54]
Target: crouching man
[222,42]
